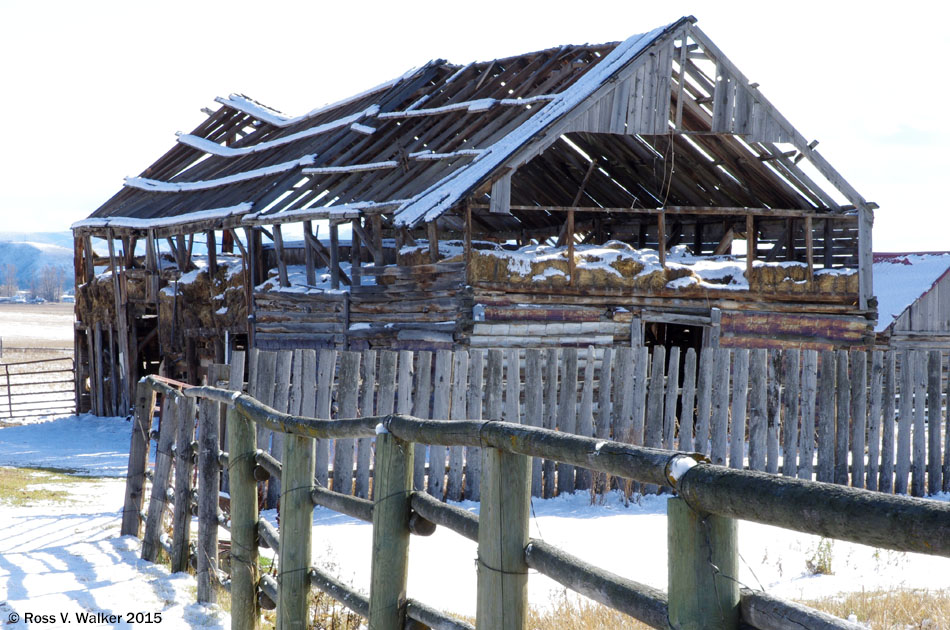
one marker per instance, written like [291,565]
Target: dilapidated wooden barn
[913,300]
[641,191]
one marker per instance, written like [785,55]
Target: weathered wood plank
[688,402]
[282,377]
[653,424]
[473,457]
[184,467]
[326,368]
[791,401]
[348,388]
[740,386]
[669,402]
[934,422]
[441,410]
[703,401]
[585,417]
[918,470]
[774,410]
[245,614]
[825,419]
[859,366]
[843,418]
[163,465]
[567,415]
[453,489]
[883,389]
[905,420]
[758,408]
[364,446]
[533,408]
[208,493]
[421,409]
[138,459]
[296,532]
[719,421]
[552,360]
[806,441]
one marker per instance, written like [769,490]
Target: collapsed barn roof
[613,120]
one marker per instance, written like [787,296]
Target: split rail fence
[703,557]
[37,388]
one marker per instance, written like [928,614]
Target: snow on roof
[901,278]
[159,186]
[160,222]
[441,196]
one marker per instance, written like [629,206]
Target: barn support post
[242,435]
[703,564]
[390,568]
[502,537]
[334,256]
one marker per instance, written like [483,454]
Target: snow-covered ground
[69,558]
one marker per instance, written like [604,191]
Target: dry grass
[29,486]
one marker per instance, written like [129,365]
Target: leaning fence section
[37,388]
[702,589]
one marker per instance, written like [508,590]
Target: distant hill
[29,253]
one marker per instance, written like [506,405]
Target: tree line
[48,284]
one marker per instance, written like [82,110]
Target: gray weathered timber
[806,448]
[502,537]
[326,367]
[764,612]
[637,418]
[859,415]
[918,468]
[386,398]
[758,408]
[550,412]
[390,562]
[245,614]
[653,422]
[453,488]
[776,376]
[460,521]
[825,420]
[688,402]
[567,414]
[144,403]
[474,402]
[422,393]
[184,467]
[208,492]
[585,417]
[791,371]
[264,390]
[364,446]
[632,598]
[356,507]
[533,409]
[235,383]
[669,401]
[296,527]
[282,381]
[349,408]
[882,520]
[160,477]
[934,421]
[946,445]
[905,419]
[842,418]
[441,410]
[740,387]
[703,402]
[888,423]
[703,593]
[874,420]
[719,421]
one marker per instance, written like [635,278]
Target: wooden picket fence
[703,556]
[830,416]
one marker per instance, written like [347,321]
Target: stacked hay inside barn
[197,305]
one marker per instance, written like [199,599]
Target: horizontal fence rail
[36,388]
[701,518]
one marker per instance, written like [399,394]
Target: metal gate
[29,389]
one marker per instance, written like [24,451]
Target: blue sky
[95,91]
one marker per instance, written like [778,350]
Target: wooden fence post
[244,571]
[296,526]
[184,466]
[502,536]
[138,459]
[209,485]
[393,479]
[163,466]
[703,565]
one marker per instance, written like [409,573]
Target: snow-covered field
[68,558]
